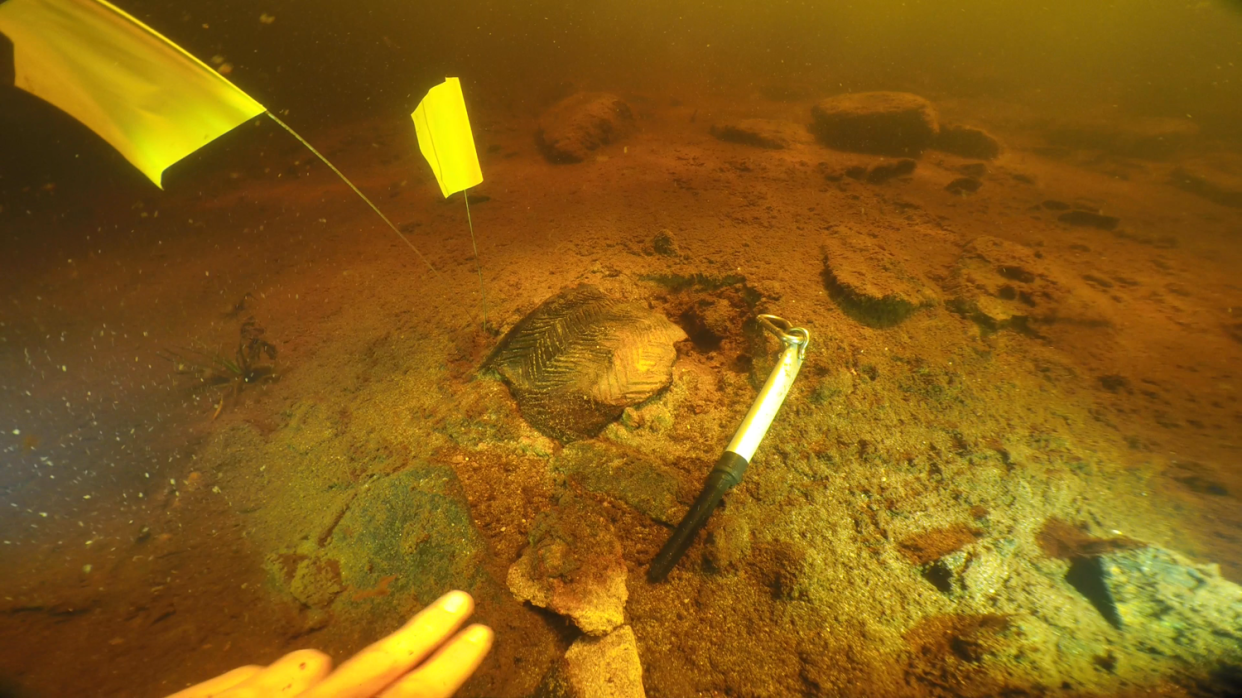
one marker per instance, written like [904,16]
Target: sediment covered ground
[1008,466]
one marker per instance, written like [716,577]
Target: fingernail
[479,634]
[455,601]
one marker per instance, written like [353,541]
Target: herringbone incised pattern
[576,361]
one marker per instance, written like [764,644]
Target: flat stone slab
[1089,219]
[404,540]
[882,123]
[870,283]
[1002,284]
[761,133]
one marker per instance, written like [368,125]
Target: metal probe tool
[733,462]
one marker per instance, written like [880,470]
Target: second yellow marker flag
[445,139]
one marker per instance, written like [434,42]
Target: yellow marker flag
[142,93]
[445,139]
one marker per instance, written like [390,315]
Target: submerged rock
[729,541]
[931,545]
[579,124]
[1089,219]
[624,475]
[974,170]
[1215,187]
[1004,285]
[1179,609]
[883,123]
[967,141]
[760,133]
[573,566]
[963,186]
[882,171]
[579,359]
[999,283]
[665,244]
[871,284]
[603,667]
[1145,138]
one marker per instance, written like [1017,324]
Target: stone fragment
[760,133]
[573,566]
[616,472]
[967,141]
[883,123]
[1197,477]
[985,571]
[1179,609]
[665,244]
[598,667]
[1062,540]
[999,283]
[579,124]
[871,284]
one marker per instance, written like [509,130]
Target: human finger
[218,685]
[448,668]
[371,670]
[288,676]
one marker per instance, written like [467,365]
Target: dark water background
[330,62]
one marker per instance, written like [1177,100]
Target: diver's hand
[391,668]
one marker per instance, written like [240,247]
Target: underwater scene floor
[240,416]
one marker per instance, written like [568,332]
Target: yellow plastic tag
[445,139]
[146,96]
